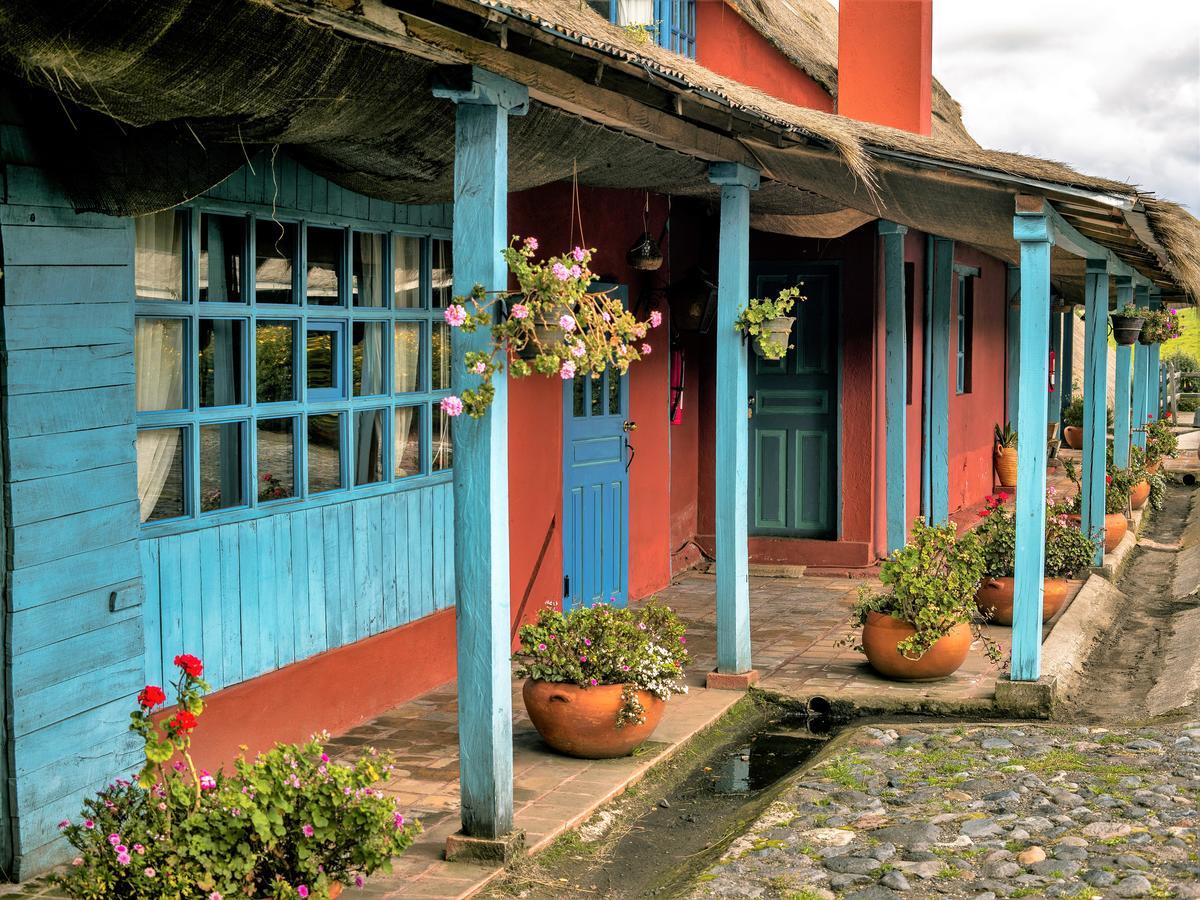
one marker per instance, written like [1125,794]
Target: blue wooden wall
[92,609]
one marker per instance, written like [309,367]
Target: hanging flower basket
[767,321]
[1126,327]
[1160,325]
[547,332]
[773,333]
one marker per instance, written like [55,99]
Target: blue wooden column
[1141,374]
[938,411]
[1122,383]
[1012,293]
[1067,384]
[485,101]
[733,283]
[1032,229]
[1054,411]
[896,388]
[1095,405]
[1154,376]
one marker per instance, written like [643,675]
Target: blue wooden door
[596,455]
[794,406]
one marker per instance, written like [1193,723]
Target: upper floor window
[279,360]
[670,23]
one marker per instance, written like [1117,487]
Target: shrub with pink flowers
[289,823]
[552,325]
[1161,325]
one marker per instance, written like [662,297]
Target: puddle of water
[762,762]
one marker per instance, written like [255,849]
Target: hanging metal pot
[645,254]
[1126,329]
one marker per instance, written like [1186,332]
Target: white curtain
[443,444]
[635,12]
[403,423]
[158,363]
[158,256]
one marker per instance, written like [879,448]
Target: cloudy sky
[1111,87]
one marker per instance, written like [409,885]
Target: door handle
[629,426]
[632,453]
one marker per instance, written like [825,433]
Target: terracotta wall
[727,44]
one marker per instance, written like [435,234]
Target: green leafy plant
[931,584]
[1161,440]
[288,824]
[1160,325]
[643,649]
[642,33]
[1073,413]
[753,321]
[1006,436]
[1068,552]
[1118,483]
[1188,383]
[552,318]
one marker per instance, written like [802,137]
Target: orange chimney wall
[885,62]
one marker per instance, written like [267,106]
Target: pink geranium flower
[567,323]
[655,319]
[520,311]
[455,315]
[567,372]
[451,406]
[561,272]
[646,349]
[578,253]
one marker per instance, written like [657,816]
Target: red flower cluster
[1108,479]
[992,502]
[190,664]
[182,722]
[151,695]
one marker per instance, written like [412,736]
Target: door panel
[793,429]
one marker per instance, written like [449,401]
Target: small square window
[440,352]
[222,478]
[406,272]
[276,459]
[442,442]
[324,453]
[222,255]
[220,362]
[407,434]
[406,357]
[160,468]
[325,251]
[275,361]
[369,284]
[158,354]
[368,446]
[274,261]
[158,255]
[325,353]
[443,273]
[370,344]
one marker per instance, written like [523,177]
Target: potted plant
[552,325]
[1127,324]
[1161,441]
[598,678]
[1068,554]
[289,823]
[767,321]
[1160,325]
[921,628]
[1072,415]
[1118,483]
[1005,455]
[1139,493]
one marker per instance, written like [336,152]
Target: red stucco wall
[727,44]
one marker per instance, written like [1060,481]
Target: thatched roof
[346,88]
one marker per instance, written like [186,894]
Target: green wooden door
[794,476]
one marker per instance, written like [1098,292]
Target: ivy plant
[752,321]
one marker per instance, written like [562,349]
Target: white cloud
[1110,87]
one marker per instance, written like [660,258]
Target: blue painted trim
[1095,407]
[1013,335]
[1067,384]
[1123,385]
[1034,235]
[1054,411]
[481,539]
[1141,376]
[938,334]
[732,450]
[896,388]
[927,368]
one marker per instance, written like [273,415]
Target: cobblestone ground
[980,811]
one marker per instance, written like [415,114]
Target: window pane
[324,362]
[406,358]
[368,446]
[440,347]
[442,456]
[443,274]
[276,459]
[406,272]
[221,482]
[324,453]
[368,284]
[158,363]
[160,473]
[368,351]
[597,395]
[275,354]
[158,255]
[408,441]
[274,259]
[325,266]
[222,244]
[614,393]
[220,362]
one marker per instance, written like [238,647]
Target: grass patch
[844,770]
[1059,760]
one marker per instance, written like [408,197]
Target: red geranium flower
[182,722]
[1003,496]
[190,664]
[1108,479]
[151,695]
[983,513]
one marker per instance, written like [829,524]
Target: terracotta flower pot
[1073,435]
[995,598]
[881,633]
[1005,459]
[1153,467]
[582,722]
[1139,493]
[1115,526]
[335,890]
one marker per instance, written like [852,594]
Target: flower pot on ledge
[881,633]
[1073,435]
[1115,526]
[995,598]
[582,721]
[1139,494]
[1005,459]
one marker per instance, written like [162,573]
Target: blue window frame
[278,360]
[672,22]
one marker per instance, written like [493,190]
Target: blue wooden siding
[252,596]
